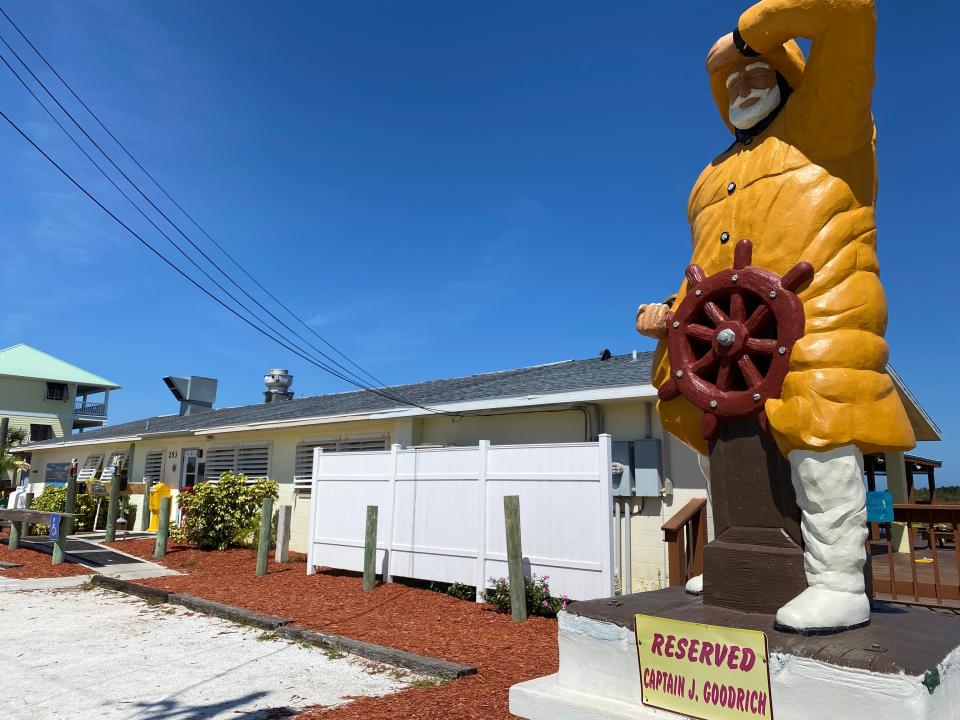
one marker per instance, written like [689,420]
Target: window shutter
[360,443]
[110,470]
[254,461]
[303,466]
[153,465]
[89,468]
[219,460]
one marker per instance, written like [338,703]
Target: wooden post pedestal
[755,563]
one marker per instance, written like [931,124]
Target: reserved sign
[703,671]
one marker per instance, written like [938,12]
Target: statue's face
[752,91]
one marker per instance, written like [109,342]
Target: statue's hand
[723,54]
[652,320]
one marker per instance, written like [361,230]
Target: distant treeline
[948,494]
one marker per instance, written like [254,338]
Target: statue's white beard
[744,118]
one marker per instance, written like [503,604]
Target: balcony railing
[89,409]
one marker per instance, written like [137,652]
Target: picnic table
[20,518]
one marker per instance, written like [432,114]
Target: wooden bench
[19,519]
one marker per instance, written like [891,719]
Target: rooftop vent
[278,384]
[196,394]
[605,354]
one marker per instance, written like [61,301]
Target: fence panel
[441,512]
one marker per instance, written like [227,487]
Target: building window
[56,391]
[303,463]
[41,432]
[252,460]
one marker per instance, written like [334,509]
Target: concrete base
[914,674]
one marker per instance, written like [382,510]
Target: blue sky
[440,188]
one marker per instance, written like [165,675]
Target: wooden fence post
[263,547]
[145,510]
[284,517]
[24,525]
[163,530]
[13,542]
[113,508]
[370,549]
[27,502]
[66,523]
[518,589]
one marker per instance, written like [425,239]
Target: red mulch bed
[36,564]
[411,619]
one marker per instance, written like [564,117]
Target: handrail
[686,535]
[684,514]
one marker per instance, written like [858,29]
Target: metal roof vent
[278,384]
[196,394]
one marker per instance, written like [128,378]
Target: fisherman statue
[799,181]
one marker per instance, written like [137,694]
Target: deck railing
[686,534]
[929,573]
[87,408]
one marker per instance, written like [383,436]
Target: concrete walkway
[88,550]
[98,654]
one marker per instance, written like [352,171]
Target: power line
[193,282]
[177,205]
[165,217]
[272,334]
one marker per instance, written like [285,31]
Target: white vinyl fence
[441,513]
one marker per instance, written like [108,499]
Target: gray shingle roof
[569,376]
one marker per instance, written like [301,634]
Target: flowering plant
[539,599]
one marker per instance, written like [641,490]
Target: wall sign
[56,474]
[879,507]
[703,671]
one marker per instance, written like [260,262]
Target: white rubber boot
[695,585]
[832,498]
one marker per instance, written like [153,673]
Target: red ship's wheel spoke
[750,372]
[738,310]
[700,332]
[723,374]
[758,319]
[707,361]
[715,314]
[759,345]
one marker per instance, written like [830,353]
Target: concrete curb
[146,592]
[423,664]
[238,615]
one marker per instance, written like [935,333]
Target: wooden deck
[916,578]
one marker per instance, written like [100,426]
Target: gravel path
[98,654]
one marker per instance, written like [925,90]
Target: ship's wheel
[729,340]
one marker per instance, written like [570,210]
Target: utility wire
[180,207]
[275,336]
[172,223]
[187,277]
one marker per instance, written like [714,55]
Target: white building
[567,401]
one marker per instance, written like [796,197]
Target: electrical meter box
[646,467]
[622,456]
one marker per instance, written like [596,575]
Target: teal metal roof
[24,361]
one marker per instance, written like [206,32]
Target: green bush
[462,591]
[54,499]
[226,513]
[539,600]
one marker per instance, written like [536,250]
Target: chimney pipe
[278,382]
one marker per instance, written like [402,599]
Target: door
[191,467]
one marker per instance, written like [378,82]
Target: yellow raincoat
[804,189]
